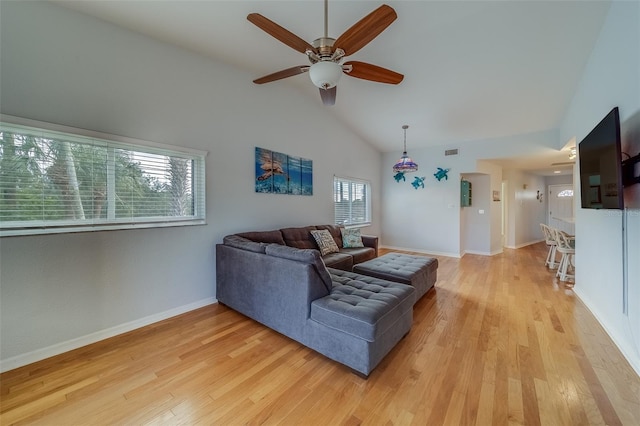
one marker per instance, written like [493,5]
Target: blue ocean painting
[280,173]
[294,176]
[306,176]
[264,172]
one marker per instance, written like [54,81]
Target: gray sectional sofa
[351,318]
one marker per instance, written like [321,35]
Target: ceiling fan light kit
[325,74]
[326,54]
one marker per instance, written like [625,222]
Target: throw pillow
[325,241]
[351,238]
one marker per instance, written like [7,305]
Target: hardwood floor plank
[602,400]
[484,415]
[498,341]
[531,410]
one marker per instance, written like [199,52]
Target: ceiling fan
[326,54]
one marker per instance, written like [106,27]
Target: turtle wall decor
[418,182]
[399,176]
[441,173]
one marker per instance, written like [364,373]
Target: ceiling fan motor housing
[324,46]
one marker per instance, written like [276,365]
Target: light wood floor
[499,341]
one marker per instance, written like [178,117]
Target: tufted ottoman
[417,271]
[364,306]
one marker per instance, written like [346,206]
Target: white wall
[60,291]
[476,219]
[526,213]
[430,220]
[423,219]
[494,171]
[611,78]
[558,180]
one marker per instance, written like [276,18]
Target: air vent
[451,152]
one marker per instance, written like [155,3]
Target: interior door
[560,214]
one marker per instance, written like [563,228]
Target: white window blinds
[352,205]
[52,181]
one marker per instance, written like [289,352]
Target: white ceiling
[473,69]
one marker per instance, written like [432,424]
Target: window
[565,193]
[352,201]
[53,181]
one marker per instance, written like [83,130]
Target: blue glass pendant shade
[405,164]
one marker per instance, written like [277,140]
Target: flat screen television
[601,165]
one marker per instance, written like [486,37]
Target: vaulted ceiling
[473,70]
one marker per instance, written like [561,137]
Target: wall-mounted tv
[601,165]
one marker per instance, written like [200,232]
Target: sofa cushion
[299,237]
[421,272]
[351,238]
[325,241]
[310,256]
[399,267]
[362,306]
[244,243]
[342,261]
[268,237]
[359,255]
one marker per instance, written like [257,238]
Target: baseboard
[524,244]
[482,253]
[59,348]
[629,353]
[433,253]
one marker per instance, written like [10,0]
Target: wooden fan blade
[366,29]
[373,73]
[289,72]
[328,95]
[282,34]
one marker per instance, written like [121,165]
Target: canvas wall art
[278,173]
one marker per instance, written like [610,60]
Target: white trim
[525,244]
[69,345]
[482,253]
[628,352]
[8,232]
[434,253]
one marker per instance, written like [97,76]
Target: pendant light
[405,164]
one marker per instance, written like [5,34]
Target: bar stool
[565,246]
[550,240]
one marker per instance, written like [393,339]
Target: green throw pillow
[351,238]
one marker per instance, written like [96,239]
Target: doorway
[560,208]
[504,213]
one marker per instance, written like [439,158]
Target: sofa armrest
[370,241]
[272,290]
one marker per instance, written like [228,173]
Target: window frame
[367,189]
[112,143]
